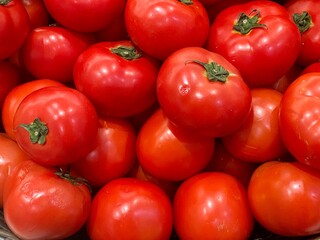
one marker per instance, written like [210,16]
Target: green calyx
[128,53]
[4,2]
[186,2]
[302,20]
[246,23]
[74,180]
[214,71]
[38,131]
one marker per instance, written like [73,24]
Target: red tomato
[64,47]
[200,90]
[259,38]
[14,98]
[285,197]
[259,138]
[213,206]
[56,125]
[37,12]
[128,208]
[306,16]
[161,27]
[117,77]
[84,15]
[283,83]
[15,27]
[113,155]
[170,153]
[55,203]
[314,67]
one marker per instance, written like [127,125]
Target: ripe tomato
[55,204]
[259,138]
[314,67]
[212,205]
[200,90]
[284,198]
[15,27]
[113,155]
[117,77]
[38,14]
[299,114]
[259,38]
[283,83]
[161,27]
[170,153]
[128,208]
[56,125]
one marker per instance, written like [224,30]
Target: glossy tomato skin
[71,125]
[57,207]
[118,86]
[170,153]
[38,14]
[51,51]
[284,198]
[128,208]
[212,205]
[299,114]
[161,27]
[15,27]
[190,100]
[263,54]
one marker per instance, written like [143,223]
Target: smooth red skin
[128,208]
[169,153]
[259,138]
[15,27]
[161,27]
[71,120]
[310,49]
[51,52]
[15,97]
[284,198]
[84,15]
[263,55]
[38,14]
[212,205]
[113,155]
[299,114]
[116,86]
[40,205]
[314,67]
[191,101]
[10,156]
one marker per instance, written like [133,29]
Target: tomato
[84,15]
[118,78]
[113,155]
[161,27]
[213,206]
[299,114]
[128,208]
[259,138]
[15,27]
[43,203]
[10,156]
[38,14]
[56,125]
[15,97]
[285,197]
[64,47]
[313,67]
[283,83]
[200,90]
[259,38]
[170,153]
[306,16]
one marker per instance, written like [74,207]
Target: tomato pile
[160,119]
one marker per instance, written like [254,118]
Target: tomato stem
[302,20]
[38,131]
[4,2]
[186,2]
[128,53]
[77,181]
[246,23]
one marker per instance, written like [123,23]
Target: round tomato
[200,90]
[313,67]
[161,27]
[213,206]
[299,115]
[259,38]
[171,153]
[37,12]
[43,203]
[284,198]
[128,208]
[56,125]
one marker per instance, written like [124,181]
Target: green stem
[186,2]
[4,2]
[246,23]
[128,53]
[302,20]
[74,180]
[38,131]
